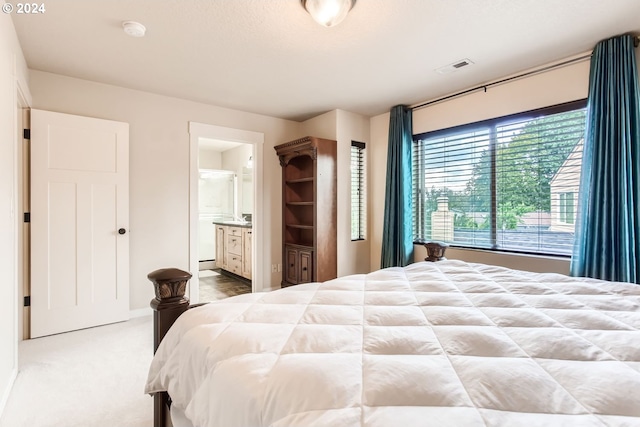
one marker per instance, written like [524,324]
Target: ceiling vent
[455,66]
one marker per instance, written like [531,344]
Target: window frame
[419,214]
[359,186]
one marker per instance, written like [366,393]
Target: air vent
[454,67]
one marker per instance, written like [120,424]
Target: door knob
[122,231]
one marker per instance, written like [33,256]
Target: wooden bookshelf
[309,230]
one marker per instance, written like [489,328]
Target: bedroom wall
[344,126]
[159,167]
[561,85]
[13,74]
[354,255]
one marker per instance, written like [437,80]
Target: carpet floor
[94,377]
[89,378]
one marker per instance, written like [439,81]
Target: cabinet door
[221,259]
[306,266]
[246,253]
[291,266]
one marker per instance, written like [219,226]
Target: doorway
[208,145]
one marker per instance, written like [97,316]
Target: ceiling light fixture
[134,29]
[328,12]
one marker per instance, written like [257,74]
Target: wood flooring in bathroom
[215,286]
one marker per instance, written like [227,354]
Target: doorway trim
[201,130]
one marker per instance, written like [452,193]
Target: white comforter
[432,344]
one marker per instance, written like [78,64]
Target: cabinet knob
[304,268]
[291,265]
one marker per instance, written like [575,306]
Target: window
[358,199]
[567,214]
[506,184]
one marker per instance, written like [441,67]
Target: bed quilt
[431,344]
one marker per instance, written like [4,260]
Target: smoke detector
[454,67]
[134,29]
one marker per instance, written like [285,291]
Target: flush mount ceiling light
[328,12]
[134,29]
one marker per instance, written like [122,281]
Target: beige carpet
[89,378]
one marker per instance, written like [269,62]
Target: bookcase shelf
[299,180]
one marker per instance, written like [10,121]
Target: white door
[79,222]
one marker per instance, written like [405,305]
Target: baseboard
[7,390]
[140,312]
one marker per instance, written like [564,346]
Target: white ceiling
[270,57]
[217,144]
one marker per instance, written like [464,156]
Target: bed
[443,343]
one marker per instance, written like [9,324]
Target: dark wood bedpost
[170,302]
[435,250]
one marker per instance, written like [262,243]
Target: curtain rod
[484,87]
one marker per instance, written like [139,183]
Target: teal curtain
[397,232]
[607,243]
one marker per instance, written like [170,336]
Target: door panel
[104,238]
[221,261]
[306,267]
[79,200]
[62,247]
[291,266]
[246,253]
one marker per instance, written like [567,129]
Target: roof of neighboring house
[533,219]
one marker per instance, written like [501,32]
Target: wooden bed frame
[170,302]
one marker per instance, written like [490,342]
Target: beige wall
[159,167]
[377,184]
[13,75]
[322,126]
[209,158]
[343,127]
[353,256]
[561,85]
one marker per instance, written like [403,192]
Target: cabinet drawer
[234,264]
[234,245]
[235,231]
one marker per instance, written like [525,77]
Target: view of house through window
[507,184]
[358,205]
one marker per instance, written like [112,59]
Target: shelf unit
[309,231]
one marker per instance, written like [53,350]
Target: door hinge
[27,301]
[27,217]
[26,134]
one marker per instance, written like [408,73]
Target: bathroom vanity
[233,247]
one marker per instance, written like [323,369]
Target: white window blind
[508,184]
[358,193]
